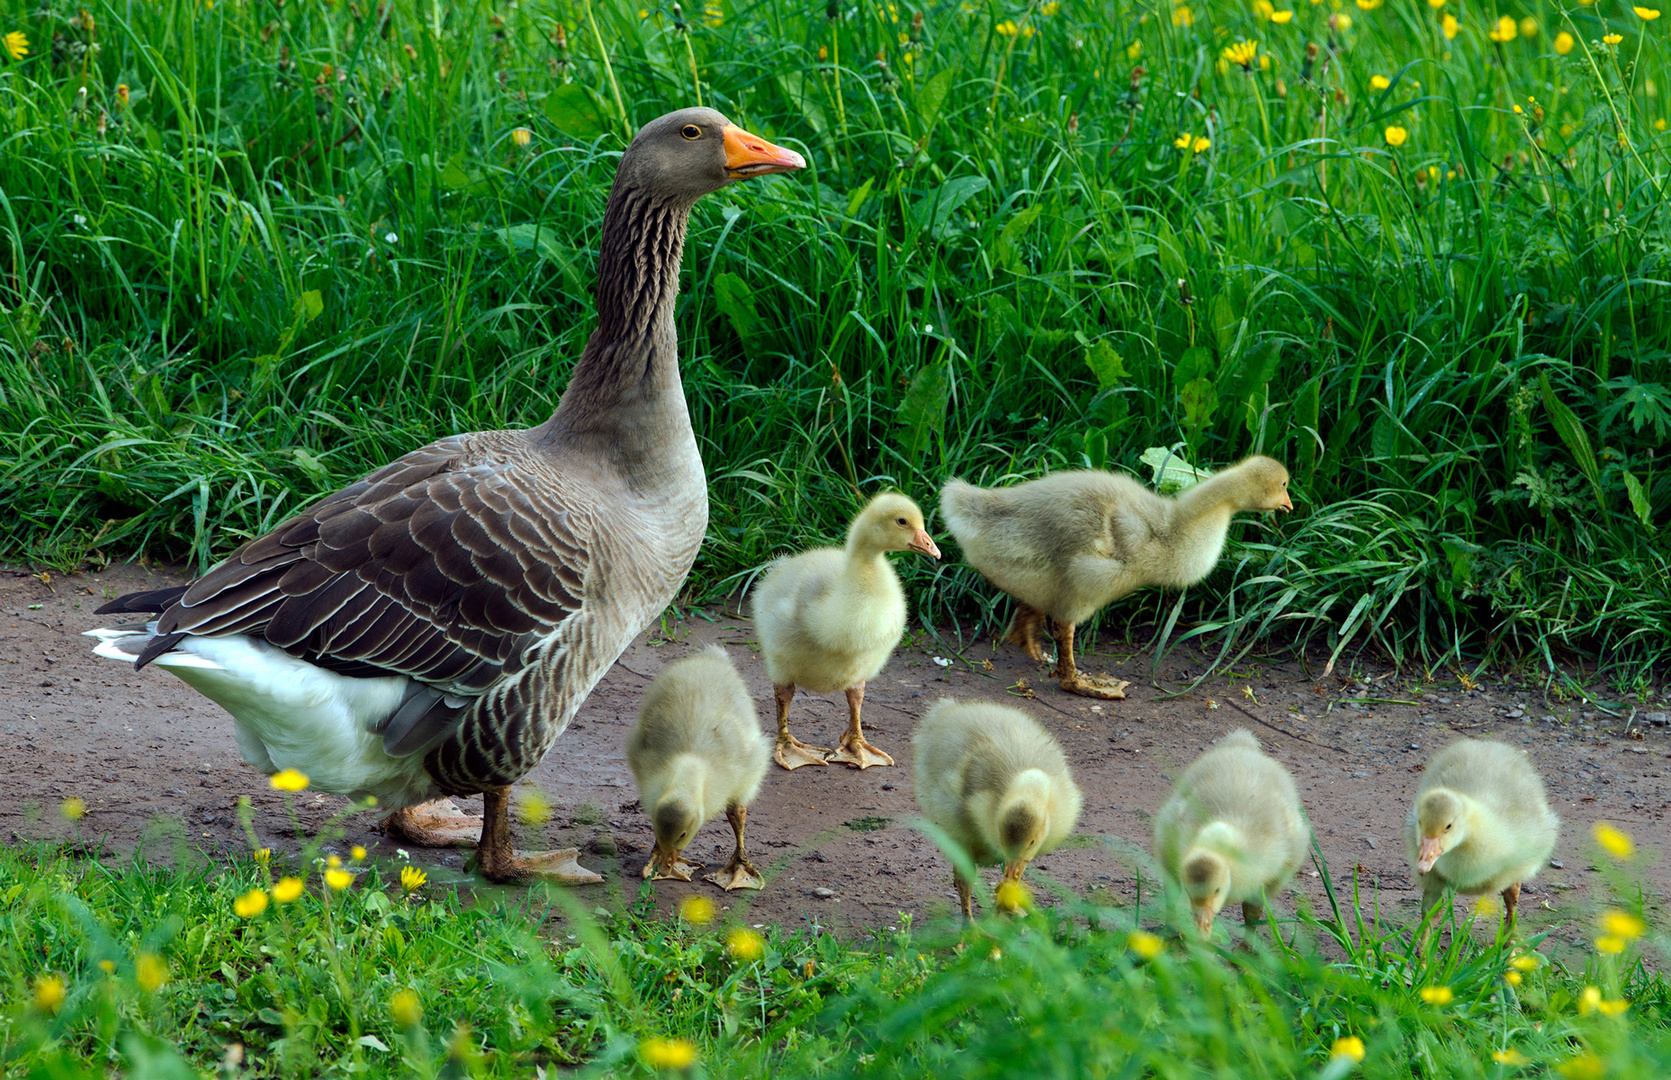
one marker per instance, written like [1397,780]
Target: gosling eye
[900,522]
[1447,828]
[691,131]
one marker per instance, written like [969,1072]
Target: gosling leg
[1024,631]
[854,750]
[791,752]
[1074,681]
[739,873]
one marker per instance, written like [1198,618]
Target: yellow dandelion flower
[1646,14]
[1448,26]
[823,53]
[1241,53]
[122,94]
[1014,896]
[412,879]
[333,861]
[1144,944]
[338,879]
[405,1007]
[1437,995]
[522,136]
[1264,62]
[696,910]
[1348,1046]
[659,1053]
[1199,146]
[251,904]
[107,966]
[532,806]
[1050,9]
[1183,16]
[17,45]
[1379,82]
[1623,924]
[1585,1066]
[1484,905]
[1566,131]
[1610,945]
[49,993]
[1563,43]
[1510,1056]
[73,808]
[713,15]
[1342,22]
[150,972]
[1613,1007]
[1182,141]
[1282,17]
[1006,28]
[1395,135]
[1505,30]
[1659,125]
[1588,1000]
[287,889]
[1528,27]
[262,855]
[1612,39]
[1435,4]
[1134,50]
[1369,5]
[1264,9]
[745,944]
[289,780]
[1525,962]
[1513,978]
[358,852]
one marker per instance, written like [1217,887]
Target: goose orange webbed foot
[737,874]
[1104,687]
[561,867]
[792,753]
[859,753]
[437,824]
[669,866]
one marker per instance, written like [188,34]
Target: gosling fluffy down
[1233,830]
[996,782]
[1481,822]
[697,750]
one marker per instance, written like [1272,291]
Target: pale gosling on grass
[1233,830]
[996,782]
[697,749]
[1481,824]
[1069,544]
[829,618]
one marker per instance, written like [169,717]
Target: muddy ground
[156,765]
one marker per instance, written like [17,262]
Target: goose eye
[900,522]
[691,131]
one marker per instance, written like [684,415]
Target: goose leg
[1432,893]
[1075,681]
[1024,631]
[965,896]
[500,863]
[854,750]
[791,752]
[1511,900]
[1253,913]
[739,873]
[433,824]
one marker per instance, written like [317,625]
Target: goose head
[1267,485]
[1022,818]
[891,522]
[1441,818]
[1206,880]
[675,821]
[689,153]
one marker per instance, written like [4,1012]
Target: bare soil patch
[157,767]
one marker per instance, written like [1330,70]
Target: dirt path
[153,760]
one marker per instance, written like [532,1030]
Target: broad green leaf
[1106,364]
[313,304]
[1172,473]
[735,301]
[1638,500]
[857,199]
[576,111]
[922,413]
[934,211]
[1571,432]
[1200,400]
[1196,362]
[933,95]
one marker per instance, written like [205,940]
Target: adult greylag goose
[1233,830]
[996,782]
[431,629]
[1481,824]
[829,617]
[696,750]
[1069,544]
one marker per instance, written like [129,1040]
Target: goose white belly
[291,714]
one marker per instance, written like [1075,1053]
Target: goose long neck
[631,362]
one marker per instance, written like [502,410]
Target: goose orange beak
[749,155]
[924,543]
[1203,914]
[1286,504]
[1427,853]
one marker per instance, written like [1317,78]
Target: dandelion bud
[1073,124]
[832,9]
[560,37]
[917,26]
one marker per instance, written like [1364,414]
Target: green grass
[307,241]
[126,967]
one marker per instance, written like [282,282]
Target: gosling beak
[1286,504]
[1012,870]
[1427,853]
[749,155]
[1203,914]
[924,543]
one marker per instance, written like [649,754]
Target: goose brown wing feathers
[442,566]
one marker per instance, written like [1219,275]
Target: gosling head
[891,522]
[1023,820]
[675,821]
[1439,819]
[1206,877]
[1269,488]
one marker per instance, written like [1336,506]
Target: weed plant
[305,965]
[251,249]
